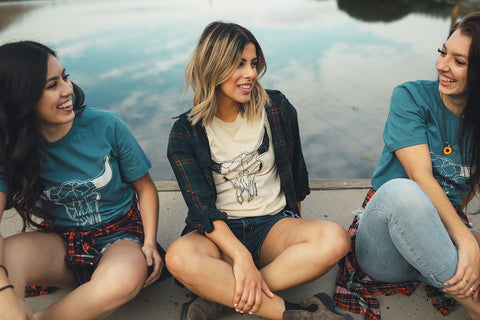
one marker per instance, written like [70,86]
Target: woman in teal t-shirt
[82,171]
[412,226]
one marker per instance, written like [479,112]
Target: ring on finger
[473,290]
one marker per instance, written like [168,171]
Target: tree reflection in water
[391,10]
[11,12]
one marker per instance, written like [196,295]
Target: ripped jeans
[401,237]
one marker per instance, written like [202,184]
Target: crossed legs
[414,242]
[38,258]
[294,252]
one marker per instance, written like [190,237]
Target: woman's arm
[418,165]
[249,282]
[148,205]
[188,158]
[188,155]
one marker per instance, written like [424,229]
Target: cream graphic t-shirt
[243,165]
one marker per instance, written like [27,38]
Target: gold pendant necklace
[448,148]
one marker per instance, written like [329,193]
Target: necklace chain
[448,148]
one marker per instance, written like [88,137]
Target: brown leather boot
[201,309]
[320,307]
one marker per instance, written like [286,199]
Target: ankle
[295,306]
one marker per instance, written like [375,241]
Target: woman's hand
[148,205]
[466,281]
[249,285]
[154,263]
[249,282]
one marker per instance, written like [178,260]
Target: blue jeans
[401,237]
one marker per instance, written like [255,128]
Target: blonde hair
[217,54]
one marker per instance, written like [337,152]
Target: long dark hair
[23,73]
[470,129]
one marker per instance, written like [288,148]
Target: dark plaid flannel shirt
[82,253]
[355,289]
[190,158]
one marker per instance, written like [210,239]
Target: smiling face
[54,110]
[452,66]
[237,89]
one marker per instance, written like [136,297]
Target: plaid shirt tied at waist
[82,252]
[354,290]
[81,245]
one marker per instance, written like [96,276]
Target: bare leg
[197,262]
[11,306]
[119,276]
[295,251]
[37,258]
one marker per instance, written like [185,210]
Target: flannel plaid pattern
[355,289]
[190,158]
[82,253]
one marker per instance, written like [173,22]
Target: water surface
[336,61]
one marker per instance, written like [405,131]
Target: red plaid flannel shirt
[82,253]
[355,289]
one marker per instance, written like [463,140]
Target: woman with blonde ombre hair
[217,58]
[238,161]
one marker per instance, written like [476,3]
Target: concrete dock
[332,200]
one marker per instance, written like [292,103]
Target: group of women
[78,176]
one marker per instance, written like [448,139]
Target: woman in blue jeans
[413,227]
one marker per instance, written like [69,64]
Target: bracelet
[6,287]
[3,267]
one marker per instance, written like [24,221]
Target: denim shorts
[104,242]
[252,231]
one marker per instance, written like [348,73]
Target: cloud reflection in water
[130,56]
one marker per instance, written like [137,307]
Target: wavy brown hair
[217,54]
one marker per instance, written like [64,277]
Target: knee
[403,196]
[175,258]
[402,191]
[118,285]
[332,242]
[340,242]
[181,260]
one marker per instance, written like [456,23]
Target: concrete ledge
[340,184]
[332,200]
[319,184]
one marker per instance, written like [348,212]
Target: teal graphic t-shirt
[87,173]
[418,116]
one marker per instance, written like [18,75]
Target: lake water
[336,61]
